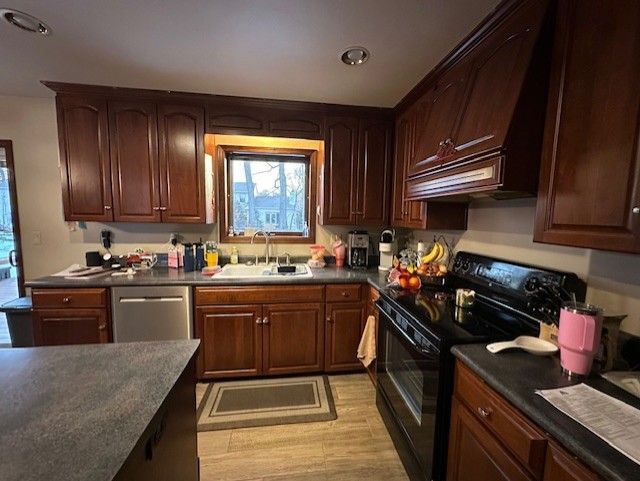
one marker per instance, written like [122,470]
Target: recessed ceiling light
[355,56]
[24,21]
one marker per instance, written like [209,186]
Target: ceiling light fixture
[355,56]
[24,21]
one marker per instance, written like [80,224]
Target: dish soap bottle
[234,255]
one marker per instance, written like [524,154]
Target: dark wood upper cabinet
[133,136]
[233,119]
[416,214]
[182,163]
[83,137]
[590,175]
[374,169]
[290,123]
[480,114]
[498,71]
[436,116]
[356,173]
[339,173]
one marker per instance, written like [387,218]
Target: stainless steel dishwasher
[151,313]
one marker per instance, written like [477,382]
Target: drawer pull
[345,294]
[102,327]
[265,320]
[258,320]
[485,413]
[66,300]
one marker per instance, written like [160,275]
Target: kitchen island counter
[78,412]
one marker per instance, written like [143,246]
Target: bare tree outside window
[268,192]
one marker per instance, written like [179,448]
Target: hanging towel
[367,347]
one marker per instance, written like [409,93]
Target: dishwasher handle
[124,300]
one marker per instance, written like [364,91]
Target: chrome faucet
[267,250]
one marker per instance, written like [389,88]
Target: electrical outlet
[36,238]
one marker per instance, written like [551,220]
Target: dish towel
[367,347]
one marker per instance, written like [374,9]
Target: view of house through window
[268,192]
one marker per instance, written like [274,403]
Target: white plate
[531,344]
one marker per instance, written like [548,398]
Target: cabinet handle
[636,210]
[344,294]
[485,413]
[258,320]
[265,320]
[163,208]
[66,300]
[329,319]
[102,327]
[107,207]
[156,208]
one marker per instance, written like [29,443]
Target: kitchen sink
[243,271]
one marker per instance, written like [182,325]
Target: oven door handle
[420,349]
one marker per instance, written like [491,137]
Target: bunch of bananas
[436,253]
[430,263]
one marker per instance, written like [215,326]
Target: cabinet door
[181,153]
[560,466]
[475,455]
[436,115]
[134,161]
[292,338]
[339,176]
[404,213]
[589,181]
[374,168]
[344,325]
[499,67]
[83,137]
[231,341]
[57,327]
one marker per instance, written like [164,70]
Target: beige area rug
[265,402]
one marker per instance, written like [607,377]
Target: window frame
[225,192]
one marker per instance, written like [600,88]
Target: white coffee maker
[387,248]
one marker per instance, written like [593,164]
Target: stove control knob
[531,284]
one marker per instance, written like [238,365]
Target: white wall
[505,229]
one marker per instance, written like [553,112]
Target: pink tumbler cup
[579,337]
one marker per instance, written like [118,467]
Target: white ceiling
[286,49]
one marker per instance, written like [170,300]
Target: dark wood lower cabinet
[474,453]
[292,338]
[57,327]
[231,340]
[559,466]
[489,440]
[345,322]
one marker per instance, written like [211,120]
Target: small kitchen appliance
[386,248]
[579,337]
[358,249]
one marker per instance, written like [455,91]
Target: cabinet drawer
[258,295]
[344,293]
[526,441]
[69,298]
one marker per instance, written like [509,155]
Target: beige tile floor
[356,446]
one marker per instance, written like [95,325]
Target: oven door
[408,374]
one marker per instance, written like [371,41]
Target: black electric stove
[418,329]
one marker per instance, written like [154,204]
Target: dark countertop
[517,375]
[166,277]
[75,412]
